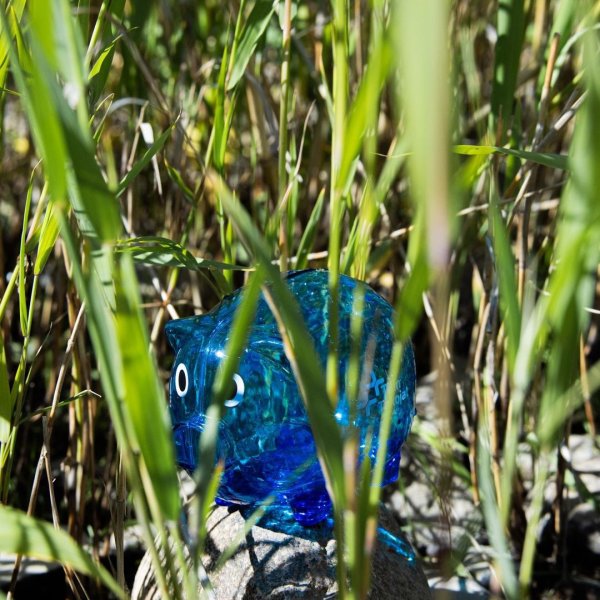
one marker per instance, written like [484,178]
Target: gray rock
[279,566]
[583,539]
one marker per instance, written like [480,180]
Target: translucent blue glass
[265,441]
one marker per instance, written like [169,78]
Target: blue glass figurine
[265,440]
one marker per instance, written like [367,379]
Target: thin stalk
[118,524]
[340,92]
[283,128]
[8,292]
[529,547]
[18,393]
[48,429]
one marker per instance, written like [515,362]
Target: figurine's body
[265,440]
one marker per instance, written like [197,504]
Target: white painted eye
[236,392]
[181,380]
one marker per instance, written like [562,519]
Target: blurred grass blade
[254,28]
[143,394]
[101,68]
[24,535]
[502,556]
[298,345]
[6,405]
[505,273]
[547,159]
[65,144]
[150,153]
[159,251]
[511,32]
[421,29]
[237,341]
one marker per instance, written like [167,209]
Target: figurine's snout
[187,441]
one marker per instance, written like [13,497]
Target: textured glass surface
[265,440]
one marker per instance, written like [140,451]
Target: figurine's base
[282,520]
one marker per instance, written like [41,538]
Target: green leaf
[14,12]
[365,107]
[308,236]
[505,272]
[48,237]
[101,69]
[547,159]
[511,32]
[21,534]
[254,29]
[159,251]
[143,394]
[22,297]
[152,151]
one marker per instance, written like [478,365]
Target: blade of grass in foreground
[511,32]
[20,534]
[63,138]
[297,341]
[547,159]
[237,341]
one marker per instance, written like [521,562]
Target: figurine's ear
[181,331]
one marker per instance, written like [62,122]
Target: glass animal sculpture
[265,440]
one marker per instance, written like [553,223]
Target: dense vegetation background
[154,153]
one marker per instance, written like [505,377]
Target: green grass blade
[505,272]
[220,133]
[69,154]
[421,29]
[6,405]
[159,251]
[48,236]
[298,345]
[143,393]
[254,28]
[364,106]
[24,535]
[307,240]
[139,165]
[22,295]
[511,32]
[9,27]
[547,159]
[237,340]
[502,556]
